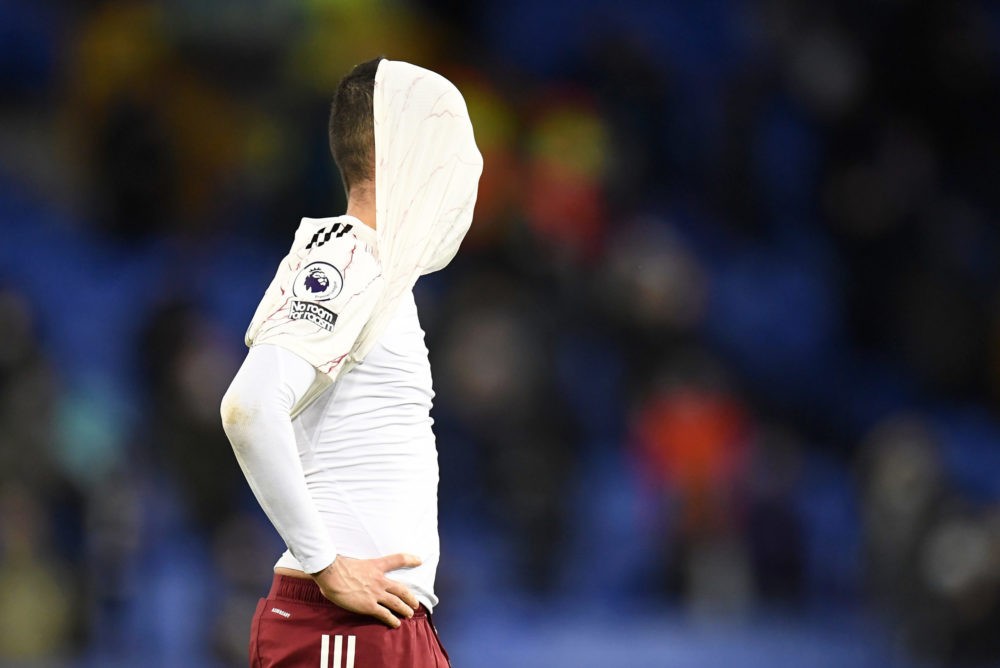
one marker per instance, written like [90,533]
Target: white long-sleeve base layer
[355,473]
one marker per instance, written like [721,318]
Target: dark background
[718,366]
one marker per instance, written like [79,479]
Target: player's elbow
[231,410]
[238,415]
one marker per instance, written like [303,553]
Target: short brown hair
[352,124]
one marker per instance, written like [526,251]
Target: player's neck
[361,204]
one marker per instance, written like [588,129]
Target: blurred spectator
[28,399]
[114,525]
[651,285]
[39,616]
[774,532]
[933,560]
[187,366]
[903,494]
[494,356]
[692,436]
[568,155]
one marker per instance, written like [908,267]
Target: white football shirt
[363,432]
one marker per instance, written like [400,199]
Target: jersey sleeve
[321,297]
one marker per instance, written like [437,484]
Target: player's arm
[256,415]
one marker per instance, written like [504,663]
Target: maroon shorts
[295,626]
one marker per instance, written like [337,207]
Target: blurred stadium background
[718,367]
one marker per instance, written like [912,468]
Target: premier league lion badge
[318,282]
